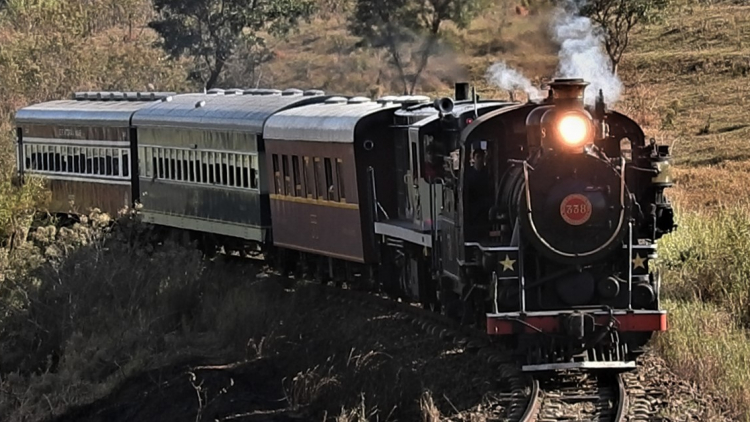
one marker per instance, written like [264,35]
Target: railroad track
[519,397]
[562,397]
[578,397]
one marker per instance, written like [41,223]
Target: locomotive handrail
[574,255]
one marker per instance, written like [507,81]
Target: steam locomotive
[538,221]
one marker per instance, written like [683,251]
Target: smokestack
[568,92]
[461,91]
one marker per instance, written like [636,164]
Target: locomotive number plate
[575,209]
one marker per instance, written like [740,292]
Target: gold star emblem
[508,263]
[638,262]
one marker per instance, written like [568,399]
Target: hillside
[685,80]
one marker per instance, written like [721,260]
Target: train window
[319,182]
[330,190]
[254,171]
[286,174]
[211,167]
[177,155]
[208,168]
[172,164]
[309,187]
[276,175]
[163,164]
[191,166]
[160,159]
[108,161]
[58,163]
[89,160]
[230,170]
[295,173]
[246,166]
[340,179]
[221,168]
[199,172]
[97,161]
[187,165]
[239,170]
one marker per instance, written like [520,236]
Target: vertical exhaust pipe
[461,91]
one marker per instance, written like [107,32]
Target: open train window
[330,189]
[287,176]
[172,164]
[276,175]
[239,171]
[319,188]
[295,174]
[187,165]
[211,167]
[306,173]
[177,158]
[254,171]
[191,166]
[231,171]
[340,179]
[224,169]
[245,171]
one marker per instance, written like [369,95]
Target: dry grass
[706,347]
[686,82]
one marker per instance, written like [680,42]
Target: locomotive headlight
[574,129]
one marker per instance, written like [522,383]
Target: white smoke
[581,54]
[510,79]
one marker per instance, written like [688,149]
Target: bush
[708,259]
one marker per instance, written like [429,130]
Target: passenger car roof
[79,113]
[245,113]
[324,122]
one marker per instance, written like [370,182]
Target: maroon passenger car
[321,194]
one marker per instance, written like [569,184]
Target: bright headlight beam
[573,130]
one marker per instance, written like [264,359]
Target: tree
[410,30]
[210,30]
[617,18]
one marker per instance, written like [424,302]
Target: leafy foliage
[617,18]
[211,30]
[409,30]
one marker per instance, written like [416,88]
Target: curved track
[520,397]
[560,397]
[578,397]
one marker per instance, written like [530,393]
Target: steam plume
[581,54]
[510,79]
